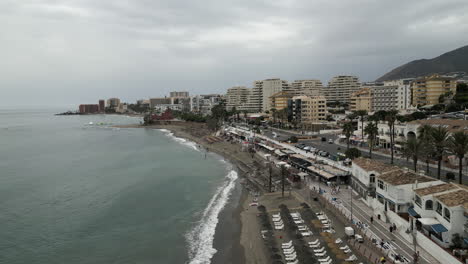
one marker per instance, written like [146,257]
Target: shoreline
[227,238]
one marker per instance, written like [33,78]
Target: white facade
[269,87]
[311,87]
[403,91]
[340,88]
[237,97]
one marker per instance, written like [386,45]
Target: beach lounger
[298,222]
[295,214]
[314,242]
[347,251]
[279,227]
[338,241]
[326,226]
[306,234]
[323,254]
[319,250]
[324,259]
[302,228]
[345,247]
[315,246]
[327,262]
[287,246]
[294,262]
[291,259]
[352,258]
[287,243]
[289,251]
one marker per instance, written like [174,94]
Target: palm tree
[361,114]
[348,130]
[371,131]
[413,148]
[425,135]
[439,137]
[391,118]
[284,171]
[458,145]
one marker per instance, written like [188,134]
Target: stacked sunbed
[303,229]
[326,222]
[346,250]
[320,252]
[277,221]
[289,253]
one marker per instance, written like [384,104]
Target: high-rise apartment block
[340,88]
[269,87]
[426,91]
[179,94]
[310,87]
[237,97]
[102,105]
[89,108]
[403,92]
[307,110]
[113,102]
[279,100]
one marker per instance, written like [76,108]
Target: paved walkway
[362,213]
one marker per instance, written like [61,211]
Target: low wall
[436,251]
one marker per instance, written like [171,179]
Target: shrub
[353,153]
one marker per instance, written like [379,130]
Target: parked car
[330,141]
[323,153]
[324,139]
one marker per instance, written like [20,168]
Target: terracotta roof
[456,198]
[435,189]
[373,165]
[401,177]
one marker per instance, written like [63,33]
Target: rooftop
[456,198]
[401,177]
[373,165]
[435,189]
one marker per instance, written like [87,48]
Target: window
[380,184]
[447,214]
[439,208]
[429,205]
[372,178]
[417,200]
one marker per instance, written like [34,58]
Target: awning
[439,228]
[413,213]
[320,172]
[428,221]
[265,146]
[302,174]
[279,153]
[287,151]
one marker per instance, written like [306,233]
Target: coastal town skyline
[137,50]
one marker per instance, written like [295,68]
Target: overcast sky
[65,52]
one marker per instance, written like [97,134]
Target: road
[335,148]
[363,213]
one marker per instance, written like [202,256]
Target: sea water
[75,189]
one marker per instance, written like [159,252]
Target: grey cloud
[72,51]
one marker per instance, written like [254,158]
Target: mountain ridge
[452,61]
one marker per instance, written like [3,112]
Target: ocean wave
[183,141]
[200,238]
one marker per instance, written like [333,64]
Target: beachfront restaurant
[326,173]
[299,162]
[266,148]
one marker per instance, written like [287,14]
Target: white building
[237,97]
[364,172]
[311,87]
[403,91]
[269,87]
[203,103]
[394,194]
[440,211]
[340,88]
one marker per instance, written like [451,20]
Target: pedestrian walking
[394,227]
[372,219]
[391,229]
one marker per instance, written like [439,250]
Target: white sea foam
[185,142]
[201,237]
